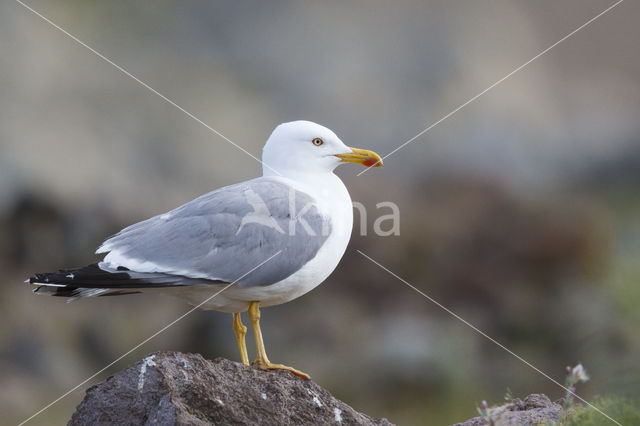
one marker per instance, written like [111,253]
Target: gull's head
[303,146]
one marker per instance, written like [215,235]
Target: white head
[306,147]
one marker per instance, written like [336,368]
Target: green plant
[575,375]
[625,412]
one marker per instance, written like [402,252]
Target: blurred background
[521,212]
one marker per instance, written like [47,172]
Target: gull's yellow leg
[262,361]
[241,331]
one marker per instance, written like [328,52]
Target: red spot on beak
[369,162]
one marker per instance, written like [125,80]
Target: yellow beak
[361,156]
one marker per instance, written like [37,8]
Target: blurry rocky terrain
[521,213]
[535,409]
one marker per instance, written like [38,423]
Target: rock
[176,388]
[535,409]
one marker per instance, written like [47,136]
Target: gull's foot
[268,365]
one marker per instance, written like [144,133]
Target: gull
[268,240]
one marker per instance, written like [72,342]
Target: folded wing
[224,234]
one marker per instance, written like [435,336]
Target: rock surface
[176,388]
[535,409]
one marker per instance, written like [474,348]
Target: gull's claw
[268,365]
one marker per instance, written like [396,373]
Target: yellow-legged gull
[298,216]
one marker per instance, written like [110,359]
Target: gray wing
[226,233]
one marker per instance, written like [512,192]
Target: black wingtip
[78,282]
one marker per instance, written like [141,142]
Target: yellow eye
[317,141]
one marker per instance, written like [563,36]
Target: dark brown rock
[176,388]
[535,409]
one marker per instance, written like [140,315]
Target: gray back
[224,234]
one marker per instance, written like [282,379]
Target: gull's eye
[317,141]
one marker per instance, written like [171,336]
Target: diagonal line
[142,83]
[482,333]
[498,82]
[146,340]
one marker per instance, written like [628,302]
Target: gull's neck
[297,174]
[323,184]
